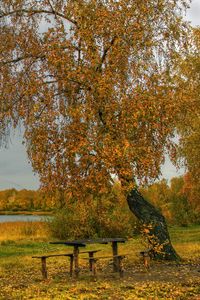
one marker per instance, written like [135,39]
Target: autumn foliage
[189,124]
[178,201]
[92,84]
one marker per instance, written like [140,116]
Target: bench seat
[44,264]
[71,257]
[117,258]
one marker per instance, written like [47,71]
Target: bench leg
[93,265]
[44,267]
[71,265]
[121,269]
[76,261]
[146,260]
[91,256]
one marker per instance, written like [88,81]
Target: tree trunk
[154,227]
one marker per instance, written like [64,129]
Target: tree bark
[154,227]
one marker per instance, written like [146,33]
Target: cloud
[15,171]
[169,170]
[193,14]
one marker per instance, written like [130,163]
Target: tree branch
[98,68]
[20,59]
[37,11]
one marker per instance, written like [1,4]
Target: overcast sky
[16,171]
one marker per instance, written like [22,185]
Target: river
[22,218]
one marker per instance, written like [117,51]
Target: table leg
[76,262]
[115,259]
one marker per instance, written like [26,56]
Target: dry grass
[190,250]
[22,230]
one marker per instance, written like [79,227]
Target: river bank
[38,213]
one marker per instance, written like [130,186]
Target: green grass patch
[12,248]
[185,234]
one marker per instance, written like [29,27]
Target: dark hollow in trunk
[154,227]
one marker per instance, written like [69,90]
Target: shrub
[104,217]
[70,221]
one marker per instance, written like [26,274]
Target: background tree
[191,189]
[181,209]
[159,194]
[92,83]
[189,125]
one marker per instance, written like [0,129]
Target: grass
[185,234]
[20,275]
[23,231]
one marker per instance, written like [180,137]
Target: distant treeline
[179,201]
[28,200]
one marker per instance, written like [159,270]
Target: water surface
[22,218]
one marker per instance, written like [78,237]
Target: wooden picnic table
[82,243]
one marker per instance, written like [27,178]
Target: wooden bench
[118,258]
[145,258]
[71,257]
[91,255]
[44,265]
